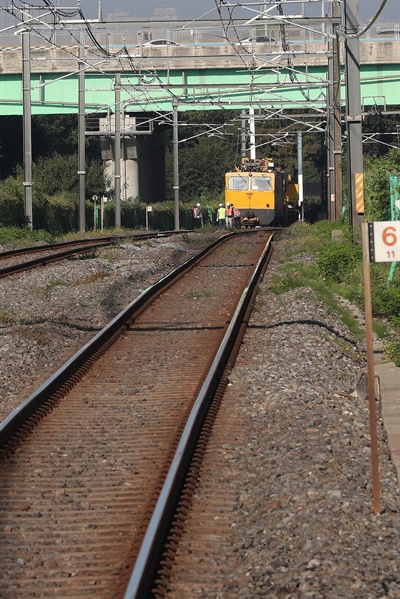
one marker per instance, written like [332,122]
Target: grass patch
[380,328]
[208,228]
[84,256]
[46,291]
[32,335]
[145,243]
[241,250]
[185,238]
[96,276]
[333,267]
[111,254]
[393,352]
[15,237]
[292,275]
[199,294]
[7,317]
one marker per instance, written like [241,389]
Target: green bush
[337,260]
[339,272]
[23,236]
[393,352]
[386,300]
[12,202]
[377,190]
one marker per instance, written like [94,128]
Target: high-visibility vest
[229,211]
[221,213]
[236,212]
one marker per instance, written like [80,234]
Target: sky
[191,9]
[188,9]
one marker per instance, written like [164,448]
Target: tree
[377,190]
[59,174]
[202,168]
[385,128]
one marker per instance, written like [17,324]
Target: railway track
[10,260]
[90,461]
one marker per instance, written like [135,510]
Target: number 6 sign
[384,241]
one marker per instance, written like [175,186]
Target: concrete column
[130,168]
[142,166]
[151,160]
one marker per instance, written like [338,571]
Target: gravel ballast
[304,520]
[48,313]
[304,524]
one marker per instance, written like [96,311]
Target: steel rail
[58,384]
[42,261]
[142,575]
[89,245]
[52,246]
[92,240]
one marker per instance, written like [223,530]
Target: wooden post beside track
[381,243]
[370,367]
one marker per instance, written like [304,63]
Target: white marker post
[95,198]
[381,243]
[102,202]
[148,209]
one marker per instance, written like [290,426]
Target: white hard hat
[220,205]
[228,203]
[197,204]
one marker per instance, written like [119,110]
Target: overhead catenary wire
[369,25]
[136,72]
[265,64]
[107,55]
[143,75]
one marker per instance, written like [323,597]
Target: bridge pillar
[130,168]
[152,166]
[142,166]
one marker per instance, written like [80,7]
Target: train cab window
[238,183]
[261,183]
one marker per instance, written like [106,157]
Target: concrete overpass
[123,83]
[197,76]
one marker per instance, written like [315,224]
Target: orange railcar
[263,194]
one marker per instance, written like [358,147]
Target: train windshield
[238,183]
[261,183]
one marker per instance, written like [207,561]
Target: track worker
[197,216]
[229,216]
[236,217]
[221,216]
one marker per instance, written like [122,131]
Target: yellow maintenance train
[263,194]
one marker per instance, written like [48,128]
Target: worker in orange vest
[229,216]
[236,217]
[197,216]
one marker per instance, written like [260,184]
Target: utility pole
[300,174]
[337,117]
[27,118]
[81,134]
[243,133]
[353,115]
[175,161]
[252,134]
[330,138]
[335,200]
[117,151]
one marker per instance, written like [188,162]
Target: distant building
[117,15]
[164,13]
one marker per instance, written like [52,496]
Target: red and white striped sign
[384,241]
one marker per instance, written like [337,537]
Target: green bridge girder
[196,89]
